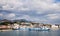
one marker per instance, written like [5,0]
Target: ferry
[32,29]
[39,29]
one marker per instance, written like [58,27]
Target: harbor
[31,26]
[29,17]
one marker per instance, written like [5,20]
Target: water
[30,33]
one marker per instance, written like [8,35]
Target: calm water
[30,33]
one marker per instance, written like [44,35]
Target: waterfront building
[33,24]
[15,25]
[5,27]
[25,24]
[57,25]
[54,27]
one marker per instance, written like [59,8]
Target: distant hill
[6,22]
[21,20]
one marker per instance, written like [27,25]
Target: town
[9,25]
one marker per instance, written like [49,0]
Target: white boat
[24,29]
[39,29]
[31,29]
[45,28]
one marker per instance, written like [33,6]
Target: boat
[35,29]
[45,29]
[24,29]
[39,29]
[31,29]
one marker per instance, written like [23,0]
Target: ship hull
[32,29]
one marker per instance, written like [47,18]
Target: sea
[30,33]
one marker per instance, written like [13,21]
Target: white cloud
[27,17]
[30,18]
[12,15]
[11,4]
[53,16]
[45,5]
[42,5]
[23,17]
[6,7]
[1,14]
[24,9]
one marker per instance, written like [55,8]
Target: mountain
[21,20]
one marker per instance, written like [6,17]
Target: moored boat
[39,29]
[24,29]
[31,29]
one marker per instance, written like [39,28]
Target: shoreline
[6,30]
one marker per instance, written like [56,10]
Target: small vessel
[31,29]
[39,29]
[24,29]
[45,29]
[35,29]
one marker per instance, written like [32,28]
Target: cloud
[27,17]
[53,16]
[36,10]
[42,5]
[1,14]
[24,17]
[10,16]
[12,5]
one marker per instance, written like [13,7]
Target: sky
[43,11]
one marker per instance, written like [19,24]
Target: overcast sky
[44,11]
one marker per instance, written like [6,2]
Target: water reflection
[31,33]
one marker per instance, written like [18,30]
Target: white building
[15,26]
[54,27]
